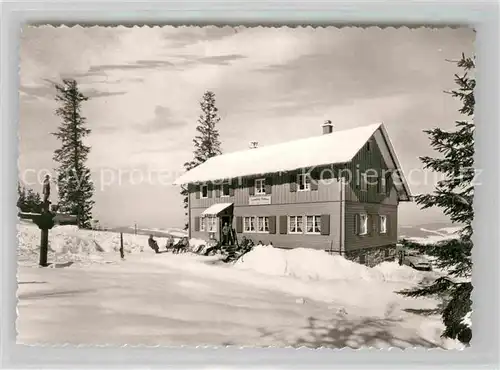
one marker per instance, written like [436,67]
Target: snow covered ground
[271,297]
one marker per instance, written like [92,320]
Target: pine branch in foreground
[454,194]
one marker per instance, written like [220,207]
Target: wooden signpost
[46,221]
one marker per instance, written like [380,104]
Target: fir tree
[454,195]
[28,200]
[21,197]
[206,142]
[75,186]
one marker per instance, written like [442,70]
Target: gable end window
[260,186]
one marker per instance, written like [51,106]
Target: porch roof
[215,209]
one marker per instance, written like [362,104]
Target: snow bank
[69,243]
[392,271]
[305,264]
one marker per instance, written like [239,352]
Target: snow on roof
[215,209]
[336,147]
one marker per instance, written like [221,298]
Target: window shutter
[356,224]
[293,182]
[197,191]
[379,185]
[239,224]
[272,224]
[251,186]
[325,224]
[232,185]
[269,185]
[375,222]
[196,224]
[283,224]
[388,225]
[388,184]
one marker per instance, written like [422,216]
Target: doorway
[229,221]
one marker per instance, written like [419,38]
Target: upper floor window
[260,186]
[225,188]
[303,182]
[204,191]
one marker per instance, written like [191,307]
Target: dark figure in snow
[181,246]
[170,243]
[153,244]
[225,234]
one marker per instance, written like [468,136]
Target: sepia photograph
[246,186]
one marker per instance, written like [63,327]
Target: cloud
[139,64]
[163,120]
[221,59]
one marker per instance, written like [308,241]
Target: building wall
[369,159]
[281,191]
[322,242]
[374,238]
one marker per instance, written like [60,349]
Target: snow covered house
[337,192]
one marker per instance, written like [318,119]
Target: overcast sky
[272,85]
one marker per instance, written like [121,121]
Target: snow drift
[305,264]
[310,264]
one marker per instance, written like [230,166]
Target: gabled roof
[334,148]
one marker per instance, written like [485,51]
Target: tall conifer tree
[206,142]
[75,186]
[454,195]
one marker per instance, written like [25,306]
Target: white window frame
[303,180]
[201,191]
[212,224]
[247,221]
[261,189]
[296,219]
[256,221]
[383,224]
[228,183]
[202,223]
[262,221]
[363,224]
[316,222]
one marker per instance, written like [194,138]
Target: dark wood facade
[338,206]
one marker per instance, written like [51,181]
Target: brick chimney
[327,127]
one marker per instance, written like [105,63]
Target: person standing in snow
[153,244]
[225,234]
